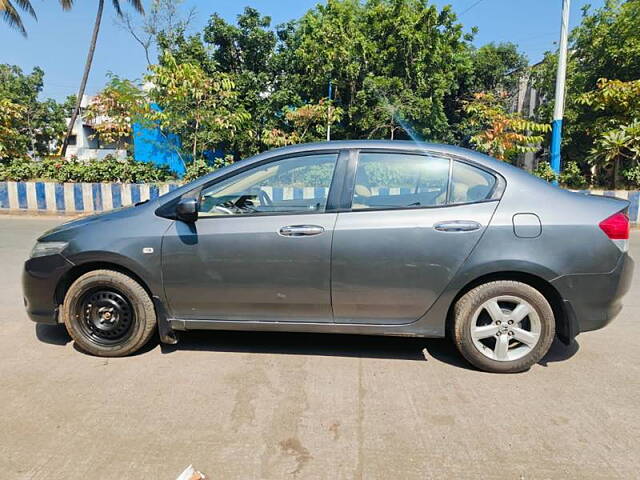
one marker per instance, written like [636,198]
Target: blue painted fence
[76,197]
[97,197]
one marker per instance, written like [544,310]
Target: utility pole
[558,111]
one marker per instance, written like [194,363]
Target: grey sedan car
[357,237]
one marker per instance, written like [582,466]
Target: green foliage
[38,124]
[304,124]
[545,172]
[113,111]
[202,109]
[12,141]
[73,170]
[381,79]
[200,167]
[615,133]
[501,134]
[572,177]
[397,69]
[497,67]
[632,175]
[605,45]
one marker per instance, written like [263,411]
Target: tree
[163,19]
[197,107]
[42,122]
[12,141]
[304,124]
[497,67]
[617,134]
[363,48]
[137,5]
[605,45]
[501,134]
[115,109]
[247,53]
[11,15]
[397,69]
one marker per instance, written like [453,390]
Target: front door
[261,248]
[414,220]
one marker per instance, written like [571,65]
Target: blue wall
[151,145]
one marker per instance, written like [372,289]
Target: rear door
[413,220]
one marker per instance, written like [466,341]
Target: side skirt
[411,330]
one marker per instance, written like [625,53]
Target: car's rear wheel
[108,313]
[503,326]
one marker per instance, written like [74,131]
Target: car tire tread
[145,315]
[470,301]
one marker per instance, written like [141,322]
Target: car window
[399,180]
[470,184]
[290,185]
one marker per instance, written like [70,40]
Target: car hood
[84,221]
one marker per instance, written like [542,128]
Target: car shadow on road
[335,345]
[52,334]
[559,352]
[58,335]
[340,345]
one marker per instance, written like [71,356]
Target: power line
[472,6]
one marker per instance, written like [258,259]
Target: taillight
[616,227]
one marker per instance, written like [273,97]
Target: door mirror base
[187,210]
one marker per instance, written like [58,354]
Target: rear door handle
[457,226]
[301,230]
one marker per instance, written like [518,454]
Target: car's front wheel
[503,326]
[108,314]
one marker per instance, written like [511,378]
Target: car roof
[513,174]
[400,145]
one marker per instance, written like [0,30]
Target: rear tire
[503,326]
[108,314]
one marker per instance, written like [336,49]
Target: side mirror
[187,210]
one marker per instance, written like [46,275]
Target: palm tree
[137,5]
[12,16]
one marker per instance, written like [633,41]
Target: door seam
[333,232]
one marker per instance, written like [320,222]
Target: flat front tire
[503,326]
[108,314]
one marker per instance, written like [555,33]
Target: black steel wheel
[107,316]
[108,313]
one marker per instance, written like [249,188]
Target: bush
[545,172]
[201,167]
[632,175]
[572,177]
[91,171]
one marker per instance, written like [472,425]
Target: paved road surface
[273,406]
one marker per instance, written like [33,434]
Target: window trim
[494,195]
[336,181]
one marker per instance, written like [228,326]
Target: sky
[58,41]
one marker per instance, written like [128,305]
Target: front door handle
[301,230]
[457,226]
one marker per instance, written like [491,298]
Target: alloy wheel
[505,328]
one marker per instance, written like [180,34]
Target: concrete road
[274,406]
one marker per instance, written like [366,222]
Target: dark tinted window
[400,180]
[470,184]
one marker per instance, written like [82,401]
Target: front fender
[144,266]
